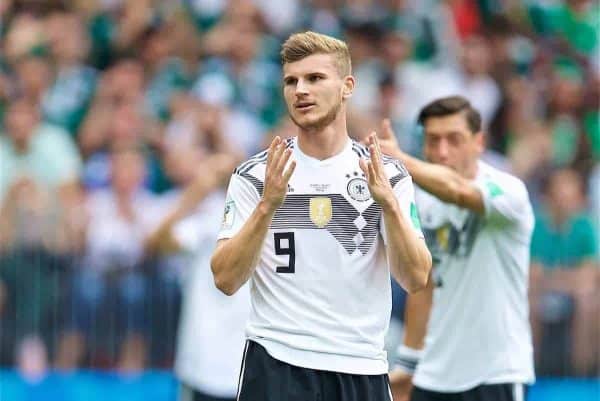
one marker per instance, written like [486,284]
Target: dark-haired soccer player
[468,333]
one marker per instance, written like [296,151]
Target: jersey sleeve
[505,201]
[405,194]
[242,198]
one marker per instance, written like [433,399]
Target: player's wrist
[267,208]
[389,203]
[407,359]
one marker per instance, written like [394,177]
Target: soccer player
[475,343]
[316,223]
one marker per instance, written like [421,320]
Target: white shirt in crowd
[114,241]
[211,332]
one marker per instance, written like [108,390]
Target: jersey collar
[303,157]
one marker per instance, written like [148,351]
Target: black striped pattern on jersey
[260,158]
[244,169]
[255,182]
[372,216]
[294,213]
[251,162]
[361,150]
[395,179]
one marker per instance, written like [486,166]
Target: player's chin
[307,122]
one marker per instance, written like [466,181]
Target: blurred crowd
[109,108]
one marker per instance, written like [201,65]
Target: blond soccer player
[316,224]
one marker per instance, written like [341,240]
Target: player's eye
[432,140]
[455,139]
[289,81]
[314,78]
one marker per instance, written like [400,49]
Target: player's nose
[301,88]
[443,150]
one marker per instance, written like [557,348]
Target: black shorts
[486,392]
[264,378]
[187,393]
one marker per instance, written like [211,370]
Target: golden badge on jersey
[442,236]
[320,211]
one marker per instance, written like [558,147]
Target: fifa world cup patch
[228,214]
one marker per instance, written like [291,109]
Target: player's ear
[480,141]
[348,88]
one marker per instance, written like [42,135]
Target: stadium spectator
[564,253]
[67,99]
[35,150]
[111,282]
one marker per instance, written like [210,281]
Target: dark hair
[451,105]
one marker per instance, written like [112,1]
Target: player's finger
[379,155]
[377,144]
[372,173]
[290,170]
[272,148]
[363,166]
[375,157]
[283,159]
[279,149]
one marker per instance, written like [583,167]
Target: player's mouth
[304,106]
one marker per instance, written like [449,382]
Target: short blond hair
[304,44]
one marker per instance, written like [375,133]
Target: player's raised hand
[379,185]
[276,175]
[387,140]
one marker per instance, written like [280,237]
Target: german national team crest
[320,211]
[358,189]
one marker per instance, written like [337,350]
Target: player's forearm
[440,181]
[408,256]
[235,259]
[416,316]
[409,353]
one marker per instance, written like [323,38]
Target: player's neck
[324,143]
[471,172]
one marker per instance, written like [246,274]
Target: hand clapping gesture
[379,185]
[276,175]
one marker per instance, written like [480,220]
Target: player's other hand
[401,385]
[276,175]
[379,185]
[387,140]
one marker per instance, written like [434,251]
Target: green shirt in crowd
[563,247]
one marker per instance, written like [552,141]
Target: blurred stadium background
[107,108]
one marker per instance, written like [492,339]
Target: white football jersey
[478,330]
[211,329]
[321,294]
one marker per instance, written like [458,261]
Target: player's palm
[276,175]
[379,185]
